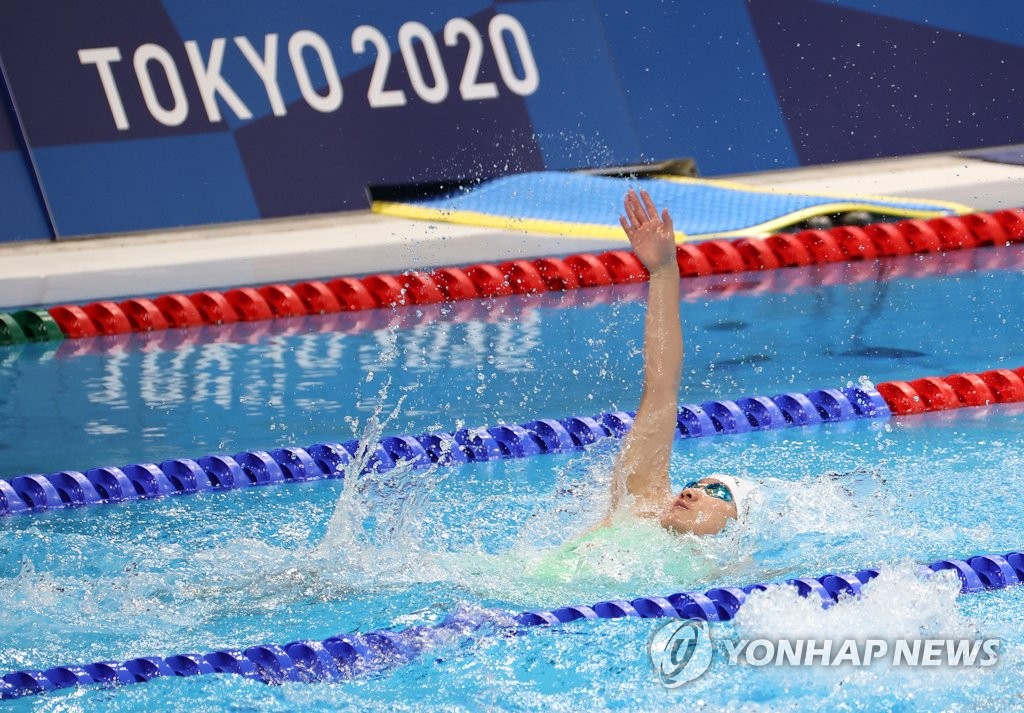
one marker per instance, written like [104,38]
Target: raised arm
[641,468]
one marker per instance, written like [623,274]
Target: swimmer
[641,471]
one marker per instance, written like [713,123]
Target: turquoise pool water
[297,561]
[190,392]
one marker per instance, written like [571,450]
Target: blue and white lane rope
[70,488]
[343,657]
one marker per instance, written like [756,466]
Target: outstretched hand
[652,237]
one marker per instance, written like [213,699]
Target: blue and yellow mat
[583,205]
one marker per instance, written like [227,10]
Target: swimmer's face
[694,510]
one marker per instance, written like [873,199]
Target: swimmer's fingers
[626,227]
[667,220]
[652,211]
[634,210]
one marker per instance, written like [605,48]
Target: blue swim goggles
[715,490]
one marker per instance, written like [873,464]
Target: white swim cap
[743,492]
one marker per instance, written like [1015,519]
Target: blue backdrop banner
[22,215]
[160,113]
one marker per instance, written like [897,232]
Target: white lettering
[734,649]
[932,654]
[531,77]
[211,82]
[963,651]
[418,31]
[325,103]
[874,649]
[905,653]
[419,49]
[377,95]
[790,652]
[769,652]
[176,115]
[848,653]
[823,653]
[102,57]
[266,68]
[991,649]
[469,87]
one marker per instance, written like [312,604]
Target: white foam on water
[901,603]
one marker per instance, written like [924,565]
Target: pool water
[310,560]
[137,398]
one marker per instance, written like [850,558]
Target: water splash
[899,602]
[373,539]
[388,498]
[391,540]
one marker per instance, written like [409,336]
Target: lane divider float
[347,656]
[953,391]
[69,488]
[715,287]
[247,304]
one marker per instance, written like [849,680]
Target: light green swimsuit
[627,549]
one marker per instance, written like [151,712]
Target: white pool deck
[355,243]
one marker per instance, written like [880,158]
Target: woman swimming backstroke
[640,478]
